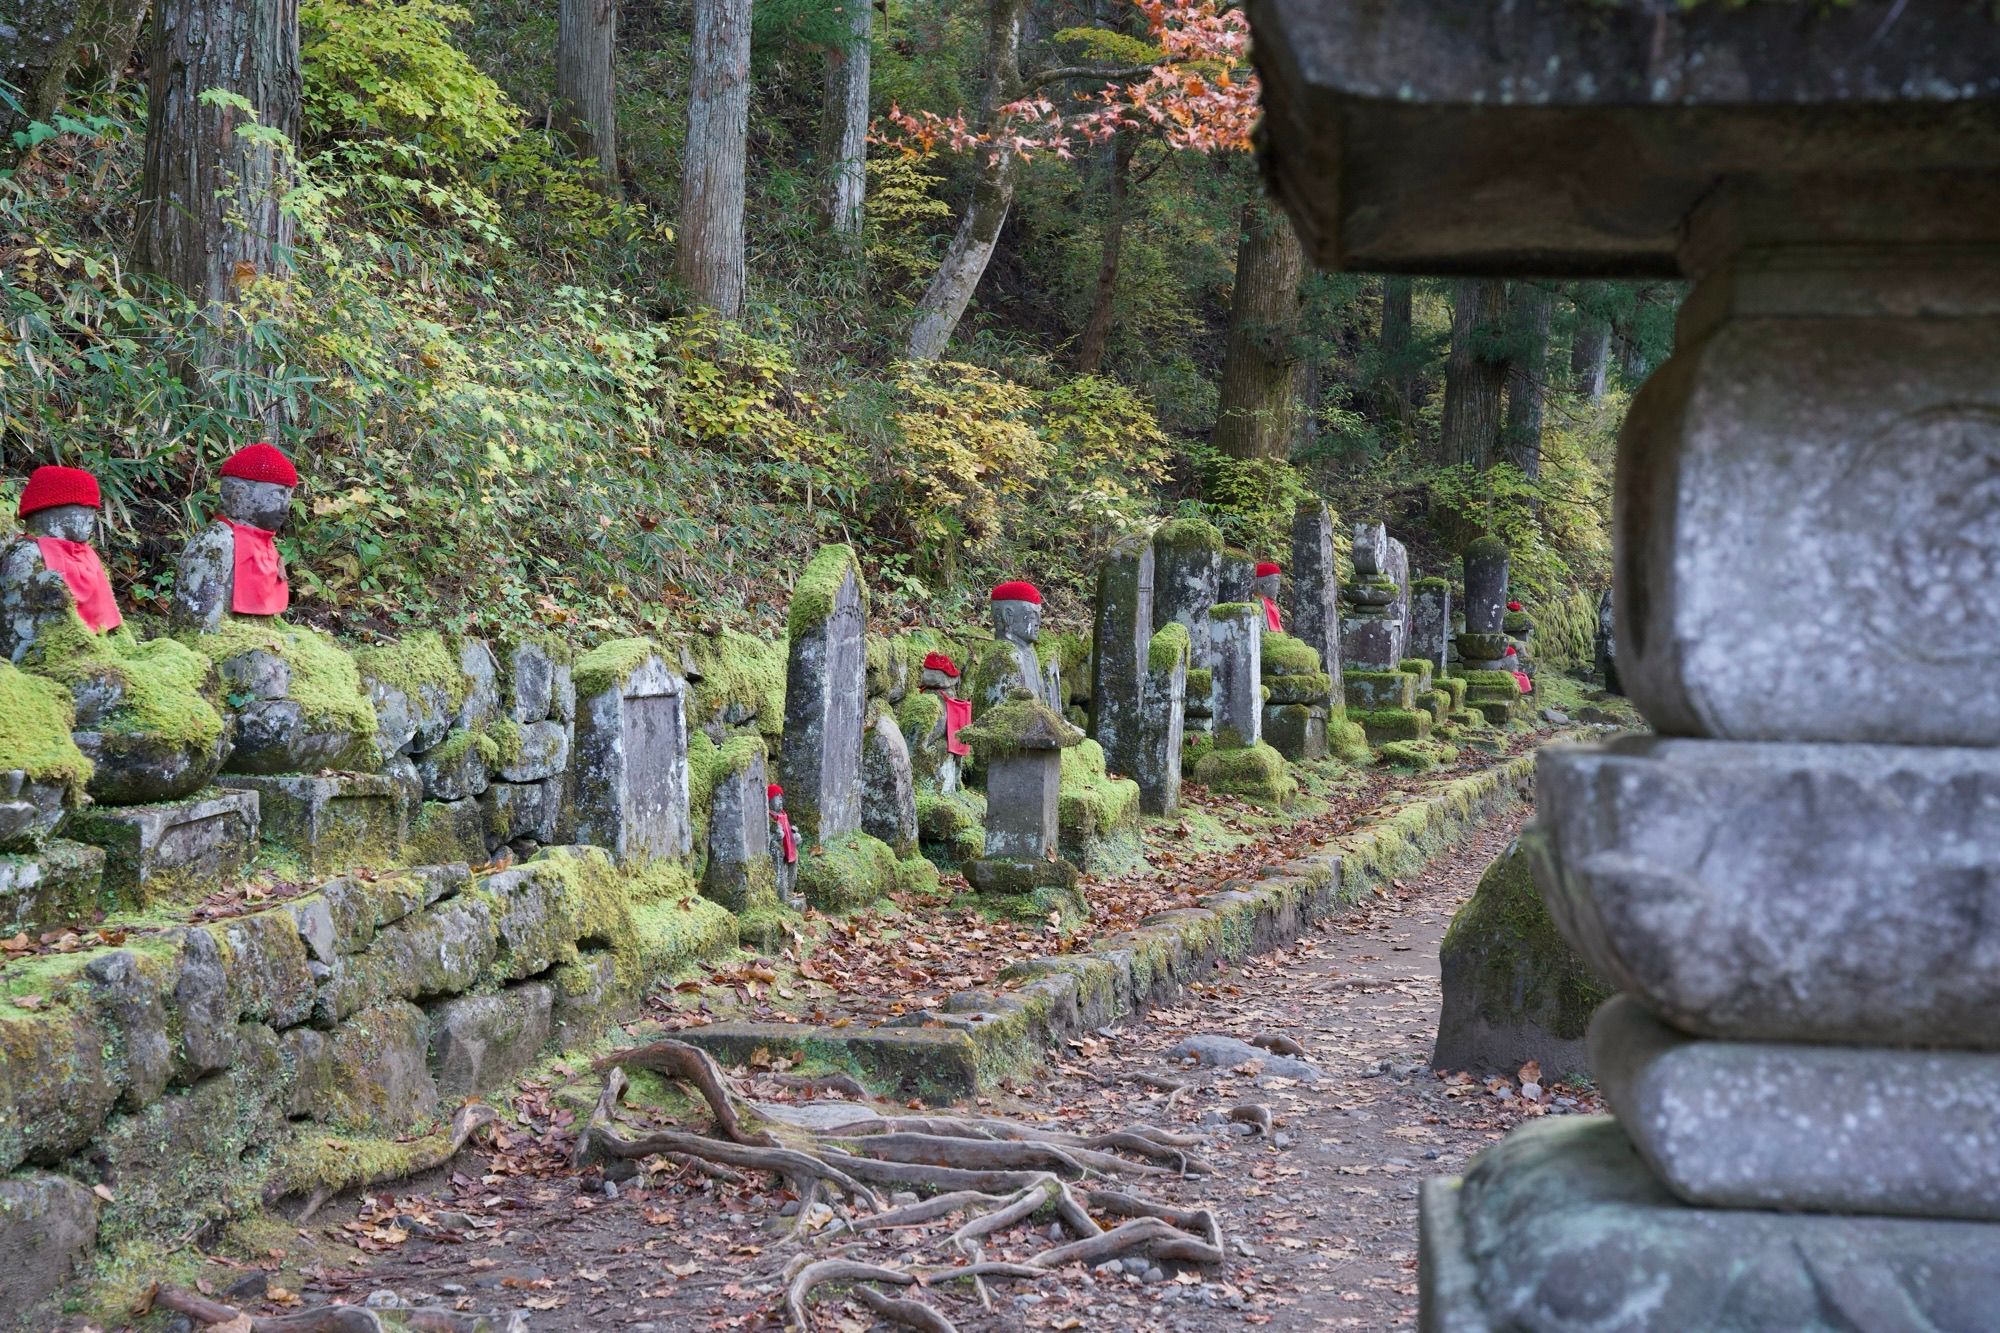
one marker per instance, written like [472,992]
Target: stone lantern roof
[1023,722]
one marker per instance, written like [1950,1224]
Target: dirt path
[1320,1219]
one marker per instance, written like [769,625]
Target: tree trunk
[951,288]
[1589,354]
[1254,419]
[1393,350]
[209,220]
[710,261]
[1097,331]
[1529,308]
[1475,372]
[1631,359]
[50,38]
[586,109]
[846,120]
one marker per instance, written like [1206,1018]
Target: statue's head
[257,487]
[1017,612]
[60,502]
[776,796]
[1266,582]
[939,673]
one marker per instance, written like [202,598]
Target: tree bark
[209,220]
[710,260]
[1097,330]
[51,38]
[950,291]
[586,109]
[1393,350]
[1529,308]
[846,120]
[1254,419]
[1589,354]
[1631,358]
[1475,372]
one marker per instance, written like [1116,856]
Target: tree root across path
[995,1173]
[329,1319]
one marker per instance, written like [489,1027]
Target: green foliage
[389,69]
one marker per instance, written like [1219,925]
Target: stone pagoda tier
[1790,888]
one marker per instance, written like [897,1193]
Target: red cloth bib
[1271,619]
[1521,679]
[957,714]
[258,586]
[80,568]
[788,837]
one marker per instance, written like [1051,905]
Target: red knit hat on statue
[261,462]
[51,486]
[774,790]
[1265,569]
[1017,591]
[939,662]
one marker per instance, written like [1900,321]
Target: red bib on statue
[258,586]
[1271,620]
[957,714]
[788,838]
[80,568]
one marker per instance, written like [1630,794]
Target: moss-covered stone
[1284,655]
[1394,724]
[1098,815]
[1069,652]
[742,677]
[951,826]
[1029,890]
[1514,990]
[1431,583]
[1346,740]
[1366,691]
[1171,644]
[1189,534]
[1229,610]
[421,666]
[1306,688]
[610,664]
[819,584]
[36,718]
[848,873]
[1018,724]
[1416,756]
[1200,684]
[325,682]
[1258,772]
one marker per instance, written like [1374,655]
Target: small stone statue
[940,676]
[1016,608]
[54,567]
[232,566]
[1265,589]
[784,846]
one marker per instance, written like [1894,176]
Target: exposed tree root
[997,1173]
[1251,1114]
[423,1155]
[1278,1044]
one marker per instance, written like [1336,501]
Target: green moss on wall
[1189,534]
[847,873]
[1170,644]
[1257,771]
[414,663]
[168,689]
[1284,655]
[35,722]
[1230,610]
[325,683]
[610,664]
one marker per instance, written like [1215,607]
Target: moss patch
[610,664]
[420,666]
[1098,815]
[35,723]
[1230,610]
[1257,771]
[1284,655]
[1171,644]
[819,584]
[1505,946]
[168,688]
[1189,534]
[847,873]
[1018,724]
[951,826]
[325,684]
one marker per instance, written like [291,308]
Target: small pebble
[1282,1139]
[1239,1127]
[451,1289]
[1243,1248]
[901,1197]
[791,1209]
[382,1300]
[1430,1154]
[1155,1274]
[1055,1231]
[610,1189]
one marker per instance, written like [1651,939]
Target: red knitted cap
[939,662]
[51,486]
[773,790]
[1510,650]
[1265,569]
[1017,591]
[1513,606]
[261,462]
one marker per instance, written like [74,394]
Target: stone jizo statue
[784,845]
[1265,589]
[1016,608]
[54,568]
[232,566]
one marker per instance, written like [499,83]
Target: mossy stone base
[1256,771]
[951,826]
[1514,990]
[176,851]
[848,873]
[1371,691]
[1394,724]
[1098,815]
[336,823]
[1314,687]
[1296,731]
[1029,890]
[1418,756]
[55,885]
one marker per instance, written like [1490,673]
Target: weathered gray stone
[1369,549]
[482,677]
[177,851]
[1607,643]
[276,736]
[739,873]
[1121,632]
[314,918]
[1739,1124]
[256,675]
[1316,584]
[205,577]
[481,1042]
[515,810]
[133,1000]
[1162,722]
[333,822]
[888,786]
[1430,622]
[382,1077]
[1514,990]
[1374,634]
[308,1057]
[269,980]
[1011,662]
[1236,631]
[48,1227]
[544,753]
[439,952]
[449,831]
[631,779]
[33,597]
[1186,562]
[1217,1052]
[530,693]
[454,771]
[1235,576]
[1781,892]
[825,711]
[29,810]
[1562,1229]
[1296,730]
[61,882]
[1021,804]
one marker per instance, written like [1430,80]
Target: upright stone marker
[888,786]
[1316,584]
[1020,745]
[1122,632]
[1430,621]
[1187,555]
[1374,632]
[1235,576]
[1484,643]
[631,752]
[1162,722]
[1607,643]
[739,873]
[1236,632]
[1787,884]
[826,697]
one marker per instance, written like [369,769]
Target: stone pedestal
[1297,695]
[332,823]
[1430,622]
[56,884]
[1019,744]
[176,851]
[1236,632]
[631,753]
[1187,556]
[739,873]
